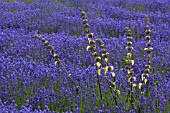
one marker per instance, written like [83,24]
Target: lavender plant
[54,72]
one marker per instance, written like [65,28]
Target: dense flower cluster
[45,66]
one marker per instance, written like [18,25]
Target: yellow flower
[99,57]
[106,60]
[106,69]
[145,81]
[55,63]
[111,67]
[134,78]
[132,61]
[113,74]
[98,64]
[129,55]
[99,72]
[69,75]
[88,47]
[118,92]
[145,49]
[129,71]
[134,85]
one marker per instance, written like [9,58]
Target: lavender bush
[82,56]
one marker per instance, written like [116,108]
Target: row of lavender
[106,19]
[30,81]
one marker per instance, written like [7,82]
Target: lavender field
[84,56]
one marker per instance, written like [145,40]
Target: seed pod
[148,43]
[129,33]
[93,49]
[112,84]
[147,27]
[102,46]
[58,61]
[86,25]
[129,38]
[98,59]
[134,85]
[43,40]
[83,17]
[55,56]
[129,43]
[110,68]
[104,55]
[36,35]
[149,62]
[92,42]
[147,66]
[83,13]
[104,51]
[129,55]
[87,30]
[49,47]
[95,54]
[52,51]
[146,70]
[89,48]
[128,61]
[90,35]
[46,43]
[98,64]
[127,67]
[40,37]
[129,48]
[98,40]
[148,37]
[145,81]
[85,21]
[140,85]
[145,75]
[129,71]
[131,79]
[149,50]
[148,31]
[77,89]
